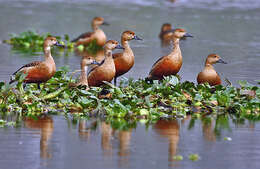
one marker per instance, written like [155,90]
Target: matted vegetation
[133,100]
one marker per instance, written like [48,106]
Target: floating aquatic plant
[132,101]
[31,41]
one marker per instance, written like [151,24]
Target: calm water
[229,28]
[54,142]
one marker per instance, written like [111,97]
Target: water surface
[55,142]
[229,28]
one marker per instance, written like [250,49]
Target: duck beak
[58,44]
[187,35]
[119,47]
[95,63]
[137,38]
[105,23]
[221,61]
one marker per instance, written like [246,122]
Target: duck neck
[95,27]
[83,74]
[176,46]
[47,53]
[108,54]
[125,44]
[209,65]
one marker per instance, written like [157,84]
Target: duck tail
[149,80]
[12,79]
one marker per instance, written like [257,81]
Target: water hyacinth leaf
[227,138]
[144,112]
[194,157]
[177,157]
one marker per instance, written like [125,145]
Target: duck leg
[115,81]
[24,85]
[38,85]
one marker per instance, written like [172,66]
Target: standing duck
[169,64]
[208,74]
[124,61]
[106,70]
[40,71]
[85,62]
[97,34]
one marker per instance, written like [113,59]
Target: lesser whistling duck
[166,27]
[106,71]
[40,71]
[124,61]
[169,64]
[85,62]
[208,74]
[166,34]
[97,33]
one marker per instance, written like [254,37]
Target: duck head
[112,44]
[214,58]
[50,41]
[129,35]
[181,33]
[166,27]
[89,61]
[97,21]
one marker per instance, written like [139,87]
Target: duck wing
[91,70]
[115,55]
[156,63]
[82,36]
[32,64]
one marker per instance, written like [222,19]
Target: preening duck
[169,64]
[124,61]
[208,74]
[97,33]
[40,71]
[106,71]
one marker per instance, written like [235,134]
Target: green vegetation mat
[132,101]
[31,41]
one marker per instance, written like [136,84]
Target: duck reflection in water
[110,135]
[106,136]
[45,124]
[208,130]
[169,129]
[85,129]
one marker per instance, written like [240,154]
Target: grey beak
[119,47]
[95,63]
[105,23]
[137,38]
[188,35]
[58,44]
[221,61]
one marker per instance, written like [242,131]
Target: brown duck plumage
[106,71]
[124,61]
[41,71]
[169,64]
[97,34]
[208,74]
